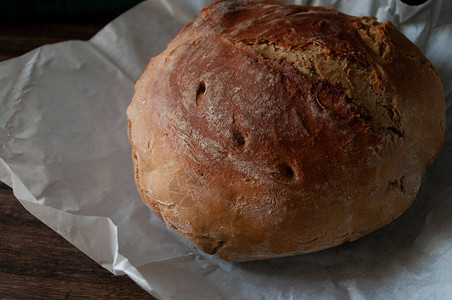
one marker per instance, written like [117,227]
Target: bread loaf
[266,130]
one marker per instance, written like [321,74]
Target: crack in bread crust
[373,104]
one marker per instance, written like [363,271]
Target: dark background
[45,11]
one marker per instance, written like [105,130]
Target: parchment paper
[65,153]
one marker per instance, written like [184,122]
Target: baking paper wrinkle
[65,153]
[104,56]
[16,92]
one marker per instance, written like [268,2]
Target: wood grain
[36,262]
[16,40]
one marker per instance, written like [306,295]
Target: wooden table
[35,262]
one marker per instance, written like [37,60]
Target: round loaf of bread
[267,130]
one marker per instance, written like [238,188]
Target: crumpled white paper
[64,151]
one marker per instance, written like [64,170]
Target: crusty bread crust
[267,130]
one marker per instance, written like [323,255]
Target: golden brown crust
[268,130]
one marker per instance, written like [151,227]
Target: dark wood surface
[36,262]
